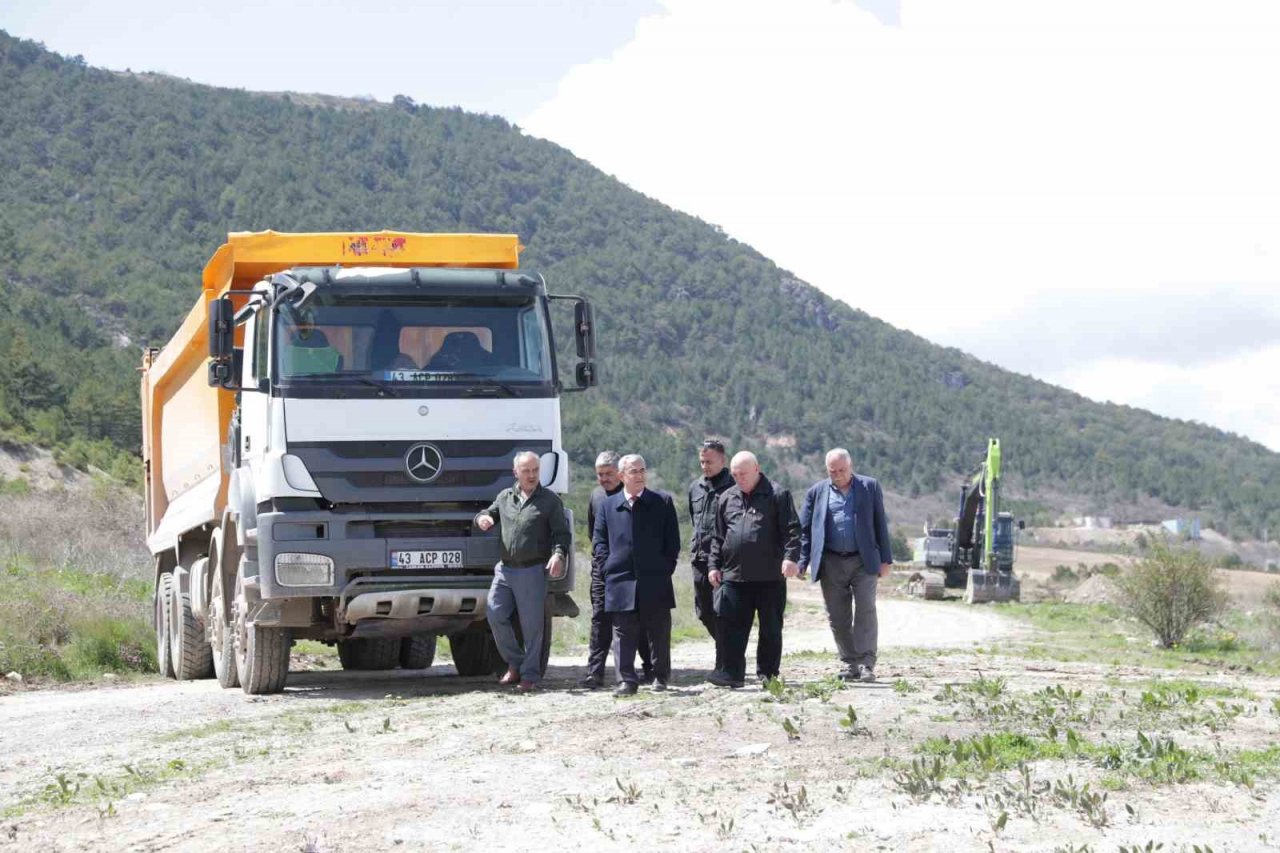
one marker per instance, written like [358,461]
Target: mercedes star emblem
[423,462]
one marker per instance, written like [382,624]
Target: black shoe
[721,679]
[647,678]
[591,682]
[853,673]
[625,688]
[868,674]
[659,686]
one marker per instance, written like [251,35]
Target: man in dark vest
[703,492]
[637,540]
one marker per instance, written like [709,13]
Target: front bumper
[362,559]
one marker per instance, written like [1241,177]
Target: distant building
[1094,522]
[1188,527]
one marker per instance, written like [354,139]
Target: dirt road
[425,760]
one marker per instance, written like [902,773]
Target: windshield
[405,342]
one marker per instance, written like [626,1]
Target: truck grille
[373,472]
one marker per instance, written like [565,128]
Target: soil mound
[1099,589]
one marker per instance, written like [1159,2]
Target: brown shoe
[527,686]
[511,676]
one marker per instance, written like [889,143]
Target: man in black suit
[637,539]
[609,482]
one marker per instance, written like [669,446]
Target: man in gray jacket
[844,542]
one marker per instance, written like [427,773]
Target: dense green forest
[117,187]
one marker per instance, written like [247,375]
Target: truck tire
[223,649]
[417,652]
[192,657]
[369,653]
[475,652]
[262,654]
[164,604]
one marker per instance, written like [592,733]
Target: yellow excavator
[978,553]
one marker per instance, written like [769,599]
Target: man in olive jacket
[753,551]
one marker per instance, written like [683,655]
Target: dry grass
[75,587]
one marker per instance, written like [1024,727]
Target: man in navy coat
[844,543]
[637,539]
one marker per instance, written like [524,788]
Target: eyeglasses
[712,444]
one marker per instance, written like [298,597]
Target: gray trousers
[850,595]
[522,594]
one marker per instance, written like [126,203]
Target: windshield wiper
[381,386]
[490,382]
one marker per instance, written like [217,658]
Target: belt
[845,554]
[540,564]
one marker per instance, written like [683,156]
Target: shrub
[1063,573]
[1271,615]
[1173,589]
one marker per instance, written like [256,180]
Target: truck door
[256,396]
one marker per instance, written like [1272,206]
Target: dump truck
[977,553]
[320,433]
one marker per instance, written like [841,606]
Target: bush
[1271,615]
[1172,590]
[1062,573]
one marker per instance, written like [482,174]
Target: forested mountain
[117,187]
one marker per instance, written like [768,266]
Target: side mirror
[1022,525]
[584,330]
[222,329]
[549,468]
[585,373]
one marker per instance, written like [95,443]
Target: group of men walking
[747,541]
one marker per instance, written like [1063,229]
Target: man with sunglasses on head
[703,492]
[609,482]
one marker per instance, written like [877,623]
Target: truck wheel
[475,653]
[223,649]
[192,657]
[417,652]
[164,599]
[369,653]
[262,654]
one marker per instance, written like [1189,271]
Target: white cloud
[1054,186]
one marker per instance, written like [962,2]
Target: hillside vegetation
[119,186]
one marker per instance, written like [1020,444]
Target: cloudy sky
[1084,191]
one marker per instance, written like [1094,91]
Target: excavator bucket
[984,586]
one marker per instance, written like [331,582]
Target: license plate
[426,559]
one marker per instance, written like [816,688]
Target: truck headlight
[304,570]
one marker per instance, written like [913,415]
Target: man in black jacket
[703,492]
[754,550]
[610,483]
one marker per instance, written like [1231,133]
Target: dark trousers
[602,634]
[629,628]
[740,603]
[704,605]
